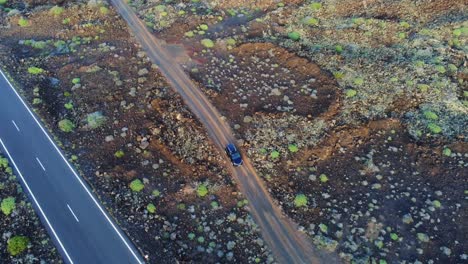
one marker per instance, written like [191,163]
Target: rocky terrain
[355,115]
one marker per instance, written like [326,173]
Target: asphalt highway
[280,233]
[77,223]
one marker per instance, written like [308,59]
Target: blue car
[234,155]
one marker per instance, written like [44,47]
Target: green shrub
[156,193]
[300,200]
[293,148]
[104,10]
[422,237]
[3,163]
[323,228]
[242,202]
[401,35]
[323,178]
[66,21]
[35,70]
[315,6]
[405,24]
[2,2]
[430,115]
[204,27]
[17,244]
[23,22]
[358,81]
[231,41]
[160,8]
[434,128]
[68,105]
[275,154]
[338,75]
[191,236]
[95,120]
[76,80]
[66,125]
[423,87]
[39,44]
[207,43]
[137,185]
[310,21]
[189,34]
[394,236]
[339,49]
[151,208]
[119,154]
[56,10]
[350,93]
[8,205]
[294,35]
[214,205]
[202,191]
[441,69]
[447,152]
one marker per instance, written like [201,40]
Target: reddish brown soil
[303,72]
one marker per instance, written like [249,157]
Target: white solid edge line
[71,168]
[36,202]
[17,128]
[40,163]
[74,215]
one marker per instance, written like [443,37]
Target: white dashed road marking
[74,215]
[40,163]
[16,126]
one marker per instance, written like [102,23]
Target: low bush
[315,6]
[434,128]
[151,208]
[275,154]
[23,22]
[293,148]
[447,152]
[66,125]
[95,120]
[76,80]
[300,200]
[207,43]
[202,191]
[350,93]
[17,244]
[104,10]
[137,185]
[119,154]
[323,178]
[8,205]
[56,10]
[294,35]
[310,21]
[35,70]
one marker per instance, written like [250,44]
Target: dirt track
[287,244]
